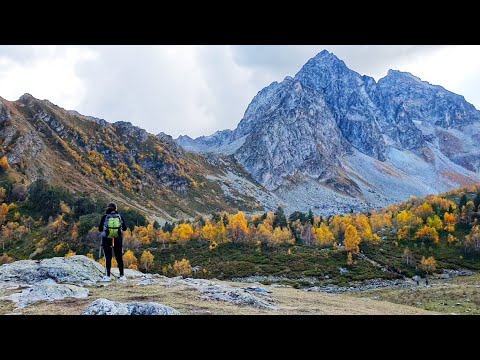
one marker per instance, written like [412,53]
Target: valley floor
[186,300]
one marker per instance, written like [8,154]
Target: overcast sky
[197,90]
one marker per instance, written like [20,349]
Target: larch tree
[182,268]
[472,240]
[238,227]
[428,264]
[435,222]
[183,233]
[424,211]
[147,260]
[338,224]
[467,212]
[75,232]
[408,256]
[449,220]
[3,194]
[352,239]
[323,235]
[451,239]
[130,259]
[380,221]
[70,253]
[427,233]
[4,163]
[208,231]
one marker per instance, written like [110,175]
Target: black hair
[111,207]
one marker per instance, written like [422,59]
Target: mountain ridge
[400,115]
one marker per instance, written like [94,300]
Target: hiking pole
[100,255]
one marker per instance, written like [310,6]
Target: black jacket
[102,222]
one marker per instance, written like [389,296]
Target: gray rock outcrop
[47,290]
[108,307]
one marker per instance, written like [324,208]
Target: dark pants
[117,249]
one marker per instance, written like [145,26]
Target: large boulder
[46,291]
[108,307]
[75,270]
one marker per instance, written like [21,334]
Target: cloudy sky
[197,90]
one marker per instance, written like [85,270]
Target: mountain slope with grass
[121,162]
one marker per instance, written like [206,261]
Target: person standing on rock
[112,226]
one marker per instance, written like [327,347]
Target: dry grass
[455,296]
[188,301]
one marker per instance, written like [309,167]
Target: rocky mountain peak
[303,129]
[26,99]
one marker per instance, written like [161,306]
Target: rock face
[47,290]
[77,269]
[214,291]
[345,91]
[333,140]
[108,307]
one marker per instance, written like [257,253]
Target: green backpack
[112,226]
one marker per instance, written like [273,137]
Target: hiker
[426,281]
[112,226]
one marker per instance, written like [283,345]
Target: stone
[76,269]
[46,290]
[108,307]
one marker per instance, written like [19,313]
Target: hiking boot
[123,278]
[106,279]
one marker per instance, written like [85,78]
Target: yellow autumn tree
[404,232]
[182,233]
[130,239]
[323,236]
[208,231]
[424,211]
[130,259]
[58,225]
[3,194]
[4,163]
[75,232]
[435,222]
[467,212]
[349,259]
[162,236]
[338,225]
[182,268]
[146,234]
[407,218]
[3,213]
[213,245]
[264,233]
[70,253]
[221,233]
[380,221]
[449,220]
[58,248]
[64,208]
[472,240]
[237,227]
[427,233]
[451,239]
[90,256]
[352,239]
[428,264]
[364,229]
[147,260]
[282,236]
